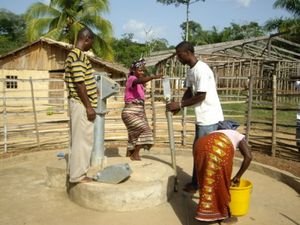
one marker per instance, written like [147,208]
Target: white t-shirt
[234,136]
[200,78]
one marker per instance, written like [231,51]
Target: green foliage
[238,32]
[11,25]
[292,6]
[289,25]
[156,45]
[126,50]
[259,113]
[238,112]
[12,31]
[62,19]
[198,36]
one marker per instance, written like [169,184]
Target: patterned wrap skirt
[213,155]
[139,132]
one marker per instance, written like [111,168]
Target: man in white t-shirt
[201,93]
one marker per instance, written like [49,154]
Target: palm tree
[286,25]
[292,6]
[62,19]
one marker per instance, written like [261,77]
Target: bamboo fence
[36,118]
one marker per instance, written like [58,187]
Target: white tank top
[234,136]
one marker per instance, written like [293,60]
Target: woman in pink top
[133,115]
[213,156]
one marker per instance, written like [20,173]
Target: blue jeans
[201,131]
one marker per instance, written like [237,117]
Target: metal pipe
[98,145]
[99,128]
[106,88]
[167,96]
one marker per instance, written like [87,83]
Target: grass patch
[238,112]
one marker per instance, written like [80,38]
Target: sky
[149,19]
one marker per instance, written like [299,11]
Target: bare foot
[134,157]
[229,221]
[136,153]
[85,180]
[129,153]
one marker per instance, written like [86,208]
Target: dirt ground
[290,166]
[26,199]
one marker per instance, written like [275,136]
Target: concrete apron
[150,184]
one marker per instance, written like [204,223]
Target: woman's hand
[235,182]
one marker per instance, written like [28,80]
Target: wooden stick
[4,115]
[34,113]
[274,114]
[250,96]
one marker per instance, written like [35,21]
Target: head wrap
[137,64]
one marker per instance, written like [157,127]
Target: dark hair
[186,46]
[85,32]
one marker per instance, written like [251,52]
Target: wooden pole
[261,76]
[4,115]
[232,81]
[274,114]
[250,99]
[34,113]
[183,121]
[153,109]
[269,47]
[227,75]
[239,80]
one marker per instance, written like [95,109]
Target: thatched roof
[259,47]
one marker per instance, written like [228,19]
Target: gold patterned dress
[213,156]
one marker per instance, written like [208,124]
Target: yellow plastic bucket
[240,198]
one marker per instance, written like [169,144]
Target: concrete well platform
[26,197]
[150,184]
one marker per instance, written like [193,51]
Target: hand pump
[106,88]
